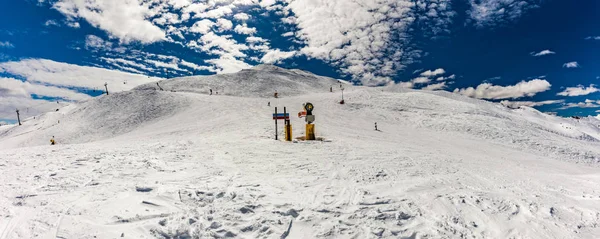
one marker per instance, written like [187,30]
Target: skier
[331,89]
[269,103]
[376,127]
[210,91]
[52,142]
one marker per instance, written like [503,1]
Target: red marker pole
[275,123]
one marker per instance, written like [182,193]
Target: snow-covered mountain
[181,162]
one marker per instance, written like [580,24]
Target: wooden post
[18,117]
[106,87]
[275,123]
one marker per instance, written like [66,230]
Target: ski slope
[180,163]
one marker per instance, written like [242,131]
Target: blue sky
[541,53]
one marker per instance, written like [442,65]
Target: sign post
[286,119]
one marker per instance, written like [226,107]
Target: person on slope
[210,91]
[52,141]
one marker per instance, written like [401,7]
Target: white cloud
[217,12]
[543,53]
[162,65]
[241,16]
[489,13]
[572,64]
[51,23]
[195,66]
[442,78]
[229,64]
[121,62]
[41,71]
[252,39]
[521,89]
[579,90]
[224,24]
[587,104]
[95,42]
[126,20]
[6,44]
[421,80]
[593,38]
[517,104]
[167,18]
[437,86]
[221,45]
[239,29]
[365,38]
[17,88]
[435,72]
[426,77]
[203,26]
[274,56]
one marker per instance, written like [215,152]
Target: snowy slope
[259,81]
[441,166]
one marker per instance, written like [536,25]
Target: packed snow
[180,163]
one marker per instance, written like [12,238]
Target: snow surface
[180,163]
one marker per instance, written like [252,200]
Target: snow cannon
[309,118]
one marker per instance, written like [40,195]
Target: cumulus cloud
[421,80]
[120,62]
[195,66]
[543,53]
[490,13]
[126,20]
[517,104]
[239,29]
[274,56]
[224,24]
[365,38]
[6,44]
[586,104]
[430,73]
[572,64]
[94,42]
[521,89]
[51,23]
[203,26]
[427,77]
[241,16]
[442,78]
[579,90]
[368,40]
[437,86]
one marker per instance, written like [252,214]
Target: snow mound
[260,81]
[101,118]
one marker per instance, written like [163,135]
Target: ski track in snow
[162,164]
